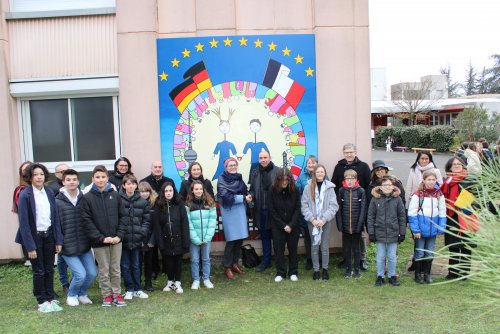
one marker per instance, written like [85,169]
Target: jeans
[324,245]
[84,272]
[232,252]
[130,266]
[266,235]
[290,240]
[424,247]
[62,269]
[195,260]
[43,268]
[386,250]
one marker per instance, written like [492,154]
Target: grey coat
[386,216]
[330,205]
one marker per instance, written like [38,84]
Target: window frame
[26,139]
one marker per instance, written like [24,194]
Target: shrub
[442,137]
[438,137]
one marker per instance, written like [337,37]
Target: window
[47,5]
[83,132]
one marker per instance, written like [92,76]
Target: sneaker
[316,275]
[278,279]
[380,281]
[178,287]
[72,301]
[347,274]
[118,301]
[325,275]
[169,287]
[141,294]
[195,285]
[28,264]
[128,295]
[262,267]
[84,300]
[45,307]
[357,274]
[294,278]
[55,306]
[208,284]
[107,301]
[394,281]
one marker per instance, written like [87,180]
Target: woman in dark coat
[284,212]
[171,229]
[195,172]
[122,167]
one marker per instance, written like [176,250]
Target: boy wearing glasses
[351,220]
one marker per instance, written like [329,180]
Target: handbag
[250,257]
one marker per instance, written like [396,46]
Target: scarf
[266,176]
[451,190]
[419,170]
[230,185]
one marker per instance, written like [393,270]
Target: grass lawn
[254,303]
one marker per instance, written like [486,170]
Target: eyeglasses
[232,166]
[350,178]
[387,185]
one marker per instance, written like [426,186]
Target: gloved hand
[401,238]
[372,238]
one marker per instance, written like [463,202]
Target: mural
[234,96]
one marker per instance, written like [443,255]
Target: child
[427,217]
[171,229]
[40,234]
[386,227]
[149,195]
[102,211]
[351,220]
[76,250]
[138,223]
[202,217]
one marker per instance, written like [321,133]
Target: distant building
[430,87]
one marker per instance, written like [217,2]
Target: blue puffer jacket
[427,214]
[202,222]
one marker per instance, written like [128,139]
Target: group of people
[122,223]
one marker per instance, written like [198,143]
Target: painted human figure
[224,148]
[255,147]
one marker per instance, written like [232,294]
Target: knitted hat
[228,160]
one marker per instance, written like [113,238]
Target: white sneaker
[208,284]
[178,287]
[128,295]
[195,285]
[294,278]
[141,294]
[84,300]
[170,286]
[45,307]
[72,301]
[278,278]
[55,306]
[27,263]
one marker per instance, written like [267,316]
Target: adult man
[351,161]
[58,183]
[261,181]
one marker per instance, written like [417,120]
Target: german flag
[200,77]
[183,94]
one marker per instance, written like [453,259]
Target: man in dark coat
[261,180]
[351,161]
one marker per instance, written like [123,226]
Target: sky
[414,38]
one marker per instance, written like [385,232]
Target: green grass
[254,303]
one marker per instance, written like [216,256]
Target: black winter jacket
[75,239]
[376,183]
[103,214]
[171,229]
[351,216]
[156,184]
[284,208]
[386,216]
[359,166]
[138,220]
[186,184]
[258,191]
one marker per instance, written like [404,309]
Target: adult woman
[473,158]
[301,184]
[232,193]
[195,172]
[455,175]
[380,169]
[122,167]
[284,208]
[319,206]
[15,198]
[422,163]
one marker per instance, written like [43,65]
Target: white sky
[413,38]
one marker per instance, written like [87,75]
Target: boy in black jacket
[351,220]
[102,211]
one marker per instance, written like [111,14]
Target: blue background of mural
[229,63]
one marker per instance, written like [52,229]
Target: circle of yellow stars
[243,42]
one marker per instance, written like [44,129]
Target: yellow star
[243,41]
[298,59]
[227,41]
[199,47]
[272,46]
[163,76]
[258,43]
[175,62]
[286,51]
[213,43]
[309,72]
[186,53]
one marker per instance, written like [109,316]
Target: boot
[427,272]
[419,272]
[229,273]
[237,269]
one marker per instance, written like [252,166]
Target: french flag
[277,78]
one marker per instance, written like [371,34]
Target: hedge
[437,137]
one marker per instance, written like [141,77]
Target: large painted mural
[234,96]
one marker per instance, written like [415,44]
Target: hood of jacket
[377,192]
